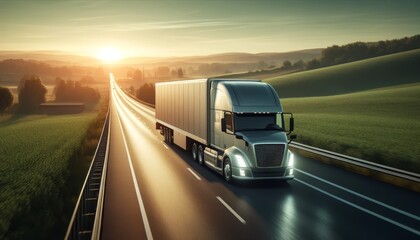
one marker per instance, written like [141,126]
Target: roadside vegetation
[45,158]
[74,91]
[6,99]
[146,93]
[35,157]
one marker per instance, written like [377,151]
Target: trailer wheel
[194,151]
[170,140]
[201,155]
[165,134]
[227,170]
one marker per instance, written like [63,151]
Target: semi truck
[235,127]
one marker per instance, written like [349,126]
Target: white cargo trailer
[235,127]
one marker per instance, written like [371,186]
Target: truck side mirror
[292,124]
[223,121]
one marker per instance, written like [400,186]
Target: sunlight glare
[110,55]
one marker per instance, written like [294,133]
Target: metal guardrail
[87,216]
[359,162]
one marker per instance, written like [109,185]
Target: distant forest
[361,50]
[13,69]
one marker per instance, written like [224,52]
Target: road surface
[156,191]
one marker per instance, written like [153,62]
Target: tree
[131,90]
[180,73]
[74,91]
[174,73]
[146,93]
[137,75]
[299,64]
[287,64]
[312,64]
[32,93]
[6,99]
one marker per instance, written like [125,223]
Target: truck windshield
[252,122]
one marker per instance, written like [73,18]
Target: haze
[180,28]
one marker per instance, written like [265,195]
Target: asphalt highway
[156,191]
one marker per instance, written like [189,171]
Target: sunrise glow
[109,55]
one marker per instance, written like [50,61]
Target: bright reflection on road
[323,224]
[171,197]
[287,224]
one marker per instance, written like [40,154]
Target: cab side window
[229,121]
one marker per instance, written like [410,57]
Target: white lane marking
[136,186]
[361,208]
[165,146]
[362,196]
[193,173]
[231,210]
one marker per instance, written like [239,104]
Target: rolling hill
[55,58]
[233,57]
[379,125]
[390,70]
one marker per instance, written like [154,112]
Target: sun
[110,55]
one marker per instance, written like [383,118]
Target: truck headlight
[291,160]
[241,161]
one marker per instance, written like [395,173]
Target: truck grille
[269,155]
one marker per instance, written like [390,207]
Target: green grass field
[379,125]
[34,164]
[390,70]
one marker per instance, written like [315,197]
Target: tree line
[138,75]
[32,92]
[74,91]
[20,66]
[362,50]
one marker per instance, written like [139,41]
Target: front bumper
[256,174]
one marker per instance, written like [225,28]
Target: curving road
[155,191]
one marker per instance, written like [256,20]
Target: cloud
[147,26]
[87,19]
[33,36]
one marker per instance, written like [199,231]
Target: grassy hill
[390,70]
[378,125]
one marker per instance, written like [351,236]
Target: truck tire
[227,170]
[200,155]
[170,136]
[194,151]
[166,134]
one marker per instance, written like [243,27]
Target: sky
[197,27]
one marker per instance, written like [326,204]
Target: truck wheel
[167,135]
[170,136]
[164,134]
[227,170]
[200,155]
[194,151]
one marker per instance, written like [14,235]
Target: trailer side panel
[182,106]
